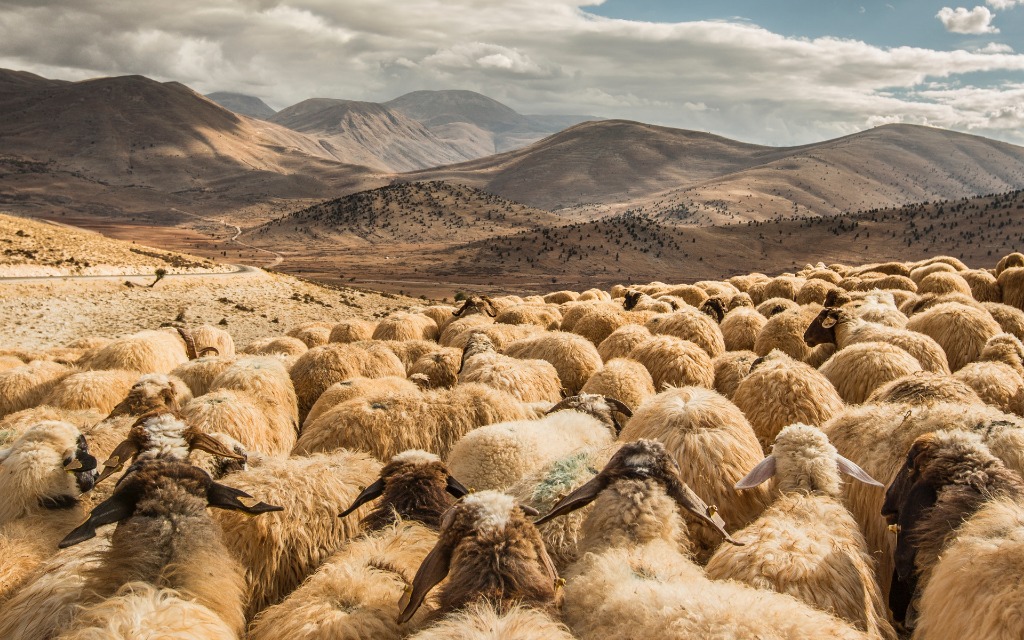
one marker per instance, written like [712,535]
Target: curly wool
[692,325]
[861,368]
[960,330]
[740,328]
[321,367]
[200,373]
[730,369]
[527,380]
[674,362]
[623,379]
[25,386]
[620,342]
[574,357]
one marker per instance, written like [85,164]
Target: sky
[779,72]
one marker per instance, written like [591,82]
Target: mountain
[614,165]
[369,134]
[242,104]
[477,124]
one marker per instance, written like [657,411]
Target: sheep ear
[455,488]
[371,492]
[209,444]
[114,509]
[851,469]
[759,474]
[901,597]
[577,499]
[225,497]
[920,498]
[829,321]
[687,499]
[433,570]
[118,457]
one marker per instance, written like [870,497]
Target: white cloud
[960,20]
[1002,4]
[996,47]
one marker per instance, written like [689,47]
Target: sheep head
[714,307]
[415,485]
[601,407]
[148,481]
[477,304]
[190,346]
[151,392]
[477,343]
[642,460]
[823,328]
[630,300]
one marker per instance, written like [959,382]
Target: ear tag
[712,510]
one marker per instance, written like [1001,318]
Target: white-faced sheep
[714,445]
[497,456]
[692,325]
[790,549]
[574,357]
[842,328]
[780,391]
[321,367]
[960,330]
[527,380]
[25,386]
[730,369]
[861,368]
[384,424]
[673,362]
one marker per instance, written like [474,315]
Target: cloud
[960,20]
[1003,4]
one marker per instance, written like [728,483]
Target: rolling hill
[242,104]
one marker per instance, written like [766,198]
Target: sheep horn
[190,344]
[458,312]
[492,309]
[124,452]
[205,442]
[686,498]
[222,496]
[113,509]
[578,499]
[205,350]
[371,492]
[434,569]
[455,488]
[619,406]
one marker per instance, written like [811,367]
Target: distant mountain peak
[243,104]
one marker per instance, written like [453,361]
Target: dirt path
[278,258]
[239,270]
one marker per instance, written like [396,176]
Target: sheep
[160,511]
[714,445]
[478,304]
[354,330]
[200,373]
[459,325]
[1010,319]
[497,456]
[489,551]
[406,326]
[152,391]
[440,368]
[730,369]
[101,390]
[637,301]
[145,352]
[26,386]
[599,323]
[996,383]
[919,273]
[358,386]
[636,581]
[620,342]
[987,551]
[941,283]
[843,328]
[919,304]
[543,316]
[891,283]
[774,306]
[267,384]
[691,325]
[946,477]
[483,621]
[500,334]
[321,367]
[785,331]
[740,300]
[779,391]
[558,297]
[673,361]
[385,423]
[816,289]
[1009,261]
[279,345]
[984,287]
[574,357]
[573,312]
[861,368]
[1011,282]
[312,334]
[876,306]
[788,550]
[959,329]
[526,380]
[924,388]
[626,380]
[15,424]
[354,592]
[740,328]
[237,414]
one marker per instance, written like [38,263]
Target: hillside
[242,104]
[369,134]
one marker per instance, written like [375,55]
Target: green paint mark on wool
[564,476]
[6,435]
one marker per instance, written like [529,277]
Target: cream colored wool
[780,391]
[526,380]
[406,326]
[1005,348]
[997,384]
[744,282]
[321,367]
[460,324]
[960,330]
[278,345]
[984,287]
[266,382]
[210,336]
[788,549]
[692,325]
[100,390]
[312,334]
[823,273]
[1009,261]
[816,289]
[956,263]
[625,380]
[354,330]
[785,331]
[850,330]
[1011,281]
[601,322]
[941,283]
[715,447]
[694,294]
[14,424]
[440,368]
[595,294]
[774,306]
[279,550]
[140,610]
[408,351]
[574,357]
[924,388]
[861,368]
[482,621]
[358,386]
[543,316]
[620,342]
[10,362]
[891,282]
[783,287]
[384,424]
[740,300]
[918,274]
[1010,319]
[500,334]
[145,352]
[354,594]
[730,368]
[497,456]
[237,415]
[879,307]
[674,362]
[573,312]
[975,590]
[740,328]
[200,373]
[26,386]
[441,314]
[558,297]
[663,304]
[886,268]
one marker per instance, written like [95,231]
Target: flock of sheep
[833,453]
